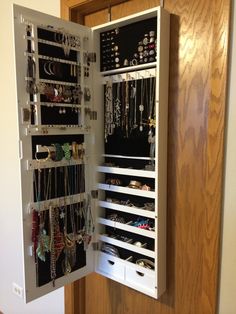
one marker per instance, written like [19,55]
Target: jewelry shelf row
[127,171]
[51,43]
[126,190]
[56,104]
[128,157]
[132,75]
[126,227]
[52,82]
[125,245]
[57,202]
[37,164]
[128,209]
[56,129]
[31,54]
[130,69]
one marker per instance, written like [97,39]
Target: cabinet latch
[94,193]
[92,57]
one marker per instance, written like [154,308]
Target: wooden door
[197,94]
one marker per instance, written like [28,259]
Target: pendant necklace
[126,109]
[151,113]
[141,106]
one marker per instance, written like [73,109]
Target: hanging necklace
[141,106]
[117,106]
[109,123]
[151,114]
[126,108]
[135,105]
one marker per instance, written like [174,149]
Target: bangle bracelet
[66,149]
[59,152]
[75,148]
[43,159]
[134,184]
[145,263]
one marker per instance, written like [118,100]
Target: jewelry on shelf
[135,184]
[146,263]
[110,249]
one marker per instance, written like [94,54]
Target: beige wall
[11,267]
[228,268]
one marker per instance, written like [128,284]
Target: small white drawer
[110,265]
[139,276]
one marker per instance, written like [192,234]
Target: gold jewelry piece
[134,184]
[145,263]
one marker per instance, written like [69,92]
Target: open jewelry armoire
[93,111]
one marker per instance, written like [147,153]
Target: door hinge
[95,246]
[93,115]
[94,193]
[92,57]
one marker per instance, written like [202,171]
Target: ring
[134,62]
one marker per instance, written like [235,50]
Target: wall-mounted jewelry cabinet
[92,108]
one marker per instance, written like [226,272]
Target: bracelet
[134,184]
[75,148]
[59,154]
[43,159]
[145,263]
[111,181]
[66,149]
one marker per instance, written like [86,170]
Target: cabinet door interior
[54,95]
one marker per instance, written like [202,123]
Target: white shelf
[37,164]
[128,209]
[126,227]
[127,171]
[128,246]
[126,190]
[55,129]
[130,68]
[57,202]
[128,157]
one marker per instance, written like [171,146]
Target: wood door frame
[214,154]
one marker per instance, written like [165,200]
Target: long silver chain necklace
[117,106]
[109,122]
